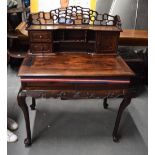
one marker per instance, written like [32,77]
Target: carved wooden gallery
[73,55]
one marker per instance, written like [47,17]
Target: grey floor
[76,127]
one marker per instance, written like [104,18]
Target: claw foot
[116,139]
[32,107]
[27,142]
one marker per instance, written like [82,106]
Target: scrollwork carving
[74,94]
[74,15]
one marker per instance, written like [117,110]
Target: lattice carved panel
[74,15]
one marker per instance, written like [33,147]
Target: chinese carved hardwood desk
[74,61]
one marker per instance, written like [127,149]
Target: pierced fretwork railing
[74,15]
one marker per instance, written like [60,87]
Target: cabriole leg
[126,101]
[22,103]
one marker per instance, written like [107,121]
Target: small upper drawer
[40,47]
[40,36]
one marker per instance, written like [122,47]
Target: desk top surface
[75,27]
[134,34]
[133,38]
[83,65]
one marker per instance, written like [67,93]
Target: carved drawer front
[40,36]
[41,47]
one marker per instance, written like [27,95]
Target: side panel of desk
[106,42]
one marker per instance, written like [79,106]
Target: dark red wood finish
[74,61]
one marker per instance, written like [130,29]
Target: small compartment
[74,47]
[91,37]
[58,35]
[76,35]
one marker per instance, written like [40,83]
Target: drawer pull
[40,36]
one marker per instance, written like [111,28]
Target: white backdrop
[47,5]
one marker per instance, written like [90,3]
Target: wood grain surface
[82,27]
[131,37]
[74,65]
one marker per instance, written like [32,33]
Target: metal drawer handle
[40,36]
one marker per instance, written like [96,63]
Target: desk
[133,38]
[74,62]
[74,76]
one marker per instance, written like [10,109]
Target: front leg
[22,103]
[126,101]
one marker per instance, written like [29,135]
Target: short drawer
[40,36]
[45,83]
[41,47]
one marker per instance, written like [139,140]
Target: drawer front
[41,47]
[40,36]
[73,86]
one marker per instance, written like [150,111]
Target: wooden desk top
[75,27]
[72,65]
[133,37]
[130,33]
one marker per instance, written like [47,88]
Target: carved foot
[116,138]
[27,142]
[22,103]
[33,105]
[105,104]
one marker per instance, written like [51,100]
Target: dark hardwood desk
[74,61]
[74,76]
